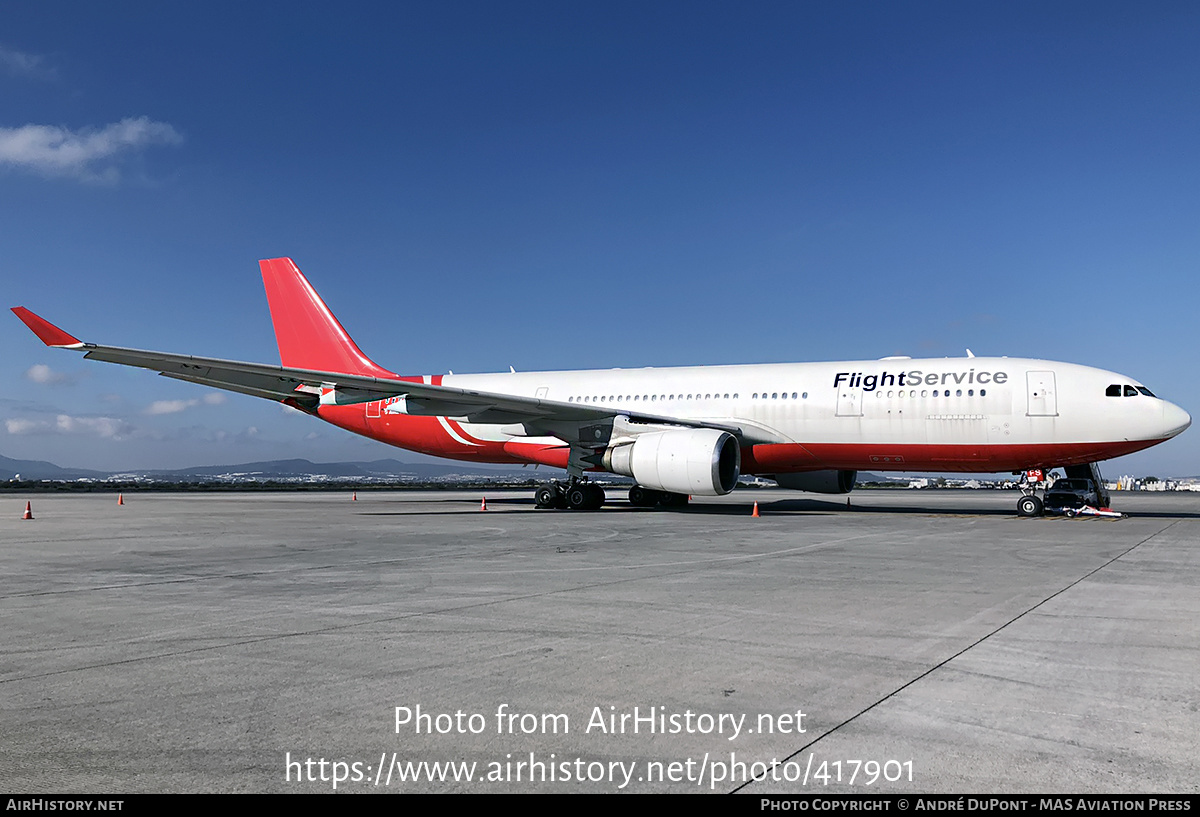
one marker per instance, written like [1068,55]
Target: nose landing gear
[1029,505]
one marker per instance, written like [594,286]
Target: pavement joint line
[964,650]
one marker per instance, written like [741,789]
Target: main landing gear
[640,497]
[580,495]
[575,494]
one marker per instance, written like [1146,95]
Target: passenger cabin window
[1113,391]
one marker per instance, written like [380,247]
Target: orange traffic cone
[120,499]
[755,514]
[28,511]
[483,505]
[354,497]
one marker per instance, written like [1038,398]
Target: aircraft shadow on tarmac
[780,507]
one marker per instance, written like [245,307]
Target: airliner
[690,431]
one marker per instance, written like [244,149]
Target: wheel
[1070,512]
[640,497]
[596,499]
[577,497]
[672,500]
[1029,506]
[545,497]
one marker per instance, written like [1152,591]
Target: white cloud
[169,406]
[41,373]
[20,63]
[86,154]
[25,426]
[108,427]
[105,427]
[176,406]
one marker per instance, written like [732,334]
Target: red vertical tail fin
[308,334]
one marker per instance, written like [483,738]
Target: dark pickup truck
[1071,493]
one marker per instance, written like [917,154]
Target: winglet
[308,334]
[47,332]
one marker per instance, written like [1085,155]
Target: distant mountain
[300,468]
[38,469]
[295,469]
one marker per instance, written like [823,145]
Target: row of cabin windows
[652,398]
[936,393]
[1116,389]
[782,395]
[649,398]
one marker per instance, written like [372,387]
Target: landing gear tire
[1029,506]
[583,496]
[640,497]
[597,497]
[670,500]
[546,497]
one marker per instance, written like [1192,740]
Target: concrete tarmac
[917,641]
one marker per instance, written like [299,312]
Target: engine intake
[701,461]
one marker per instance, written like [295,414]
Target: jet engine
[819,482]
[701,461]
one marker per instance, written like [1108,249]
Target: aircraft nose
[1175,419]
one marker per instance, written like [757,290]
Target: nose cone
[1175,419]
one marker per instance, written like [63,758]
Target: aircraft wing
[307,389]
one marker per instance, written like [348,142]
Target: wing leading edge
[307,389]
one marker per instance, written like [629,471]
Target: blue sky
[575,185]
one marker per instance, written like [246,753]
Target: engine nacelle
[819,482]
[701,461]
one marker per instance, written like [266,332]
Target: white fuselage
[951,414]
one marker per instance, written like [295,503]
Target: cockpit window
[1130,391]
[1113,391]
[1145,391]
